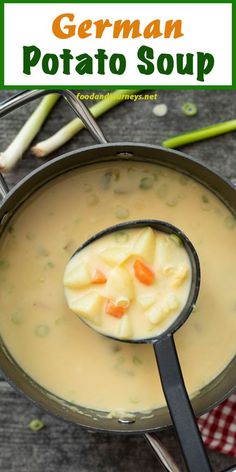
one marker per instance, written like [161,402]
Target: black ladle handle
[180,407]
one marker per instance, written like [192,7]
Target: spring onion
[42,331]
[92,199]
[122,213]
[121,236]
[200,134]
[205,199]
[160,109]
[15,150]
[4,264]
[176,239]
[172,202]
[137,360]
[147,182]
[189,109]
[36,424]
[73,127]
[16,319]
[230,222]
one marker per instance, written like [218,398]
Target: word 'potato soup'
[52,344]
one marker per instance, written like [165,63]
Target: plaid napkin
[218,427]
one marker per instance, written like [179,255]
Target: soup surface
[130,284]
[53,345]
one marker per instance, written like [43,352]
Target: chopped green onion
[205,199]
[4,264]
[183,179]
[42,331]
[92,199]
[122,213]
[11,229]
[171,202]
[42,251]
[230,222]
[121,190]
[189,109]
[176,239]
[121,237]
[60,320]
[106,180]
[50,264]
[108,177]
[30,236]
[16,319]
[147,182]
[160,109]
[134,400]
[137,360]
[116,347]
[120,360]
[36,424]
[71,129]
[88,187]
[14,152]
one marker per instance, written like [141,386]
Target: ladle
[166,355]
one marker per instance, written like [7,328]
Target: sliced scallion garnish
[36,424]
[189,109]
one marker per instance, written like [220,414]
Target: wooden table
[62,447]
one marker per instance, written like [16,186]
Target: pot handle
[77,106]
[3,188]
[161,453]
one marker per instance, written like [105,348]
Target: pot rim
[127,144]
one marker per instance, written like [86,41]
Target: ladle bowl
[168,228]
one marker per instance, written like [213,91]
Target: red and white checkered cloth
[218,427]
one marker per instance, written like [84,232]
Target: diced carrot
[143,273]
[98,277]
[114,310]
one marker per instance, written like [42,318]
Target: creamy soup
[131,284]
[53,345]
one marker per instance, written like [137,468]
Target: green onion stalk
[62,136]
[15,151]
[200,134]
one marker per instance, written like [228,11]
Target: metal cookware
[215,391]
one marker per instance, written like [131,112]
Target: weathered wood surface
[61,447]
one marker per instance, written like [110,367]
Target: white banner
[72,44]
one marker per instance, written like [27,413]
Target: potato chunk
[146,300]
[77,275]
[180,276]
[158,312]
[119,284]
[164,252]
[114,255]
[145,245]
[125,330]
[88,306]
